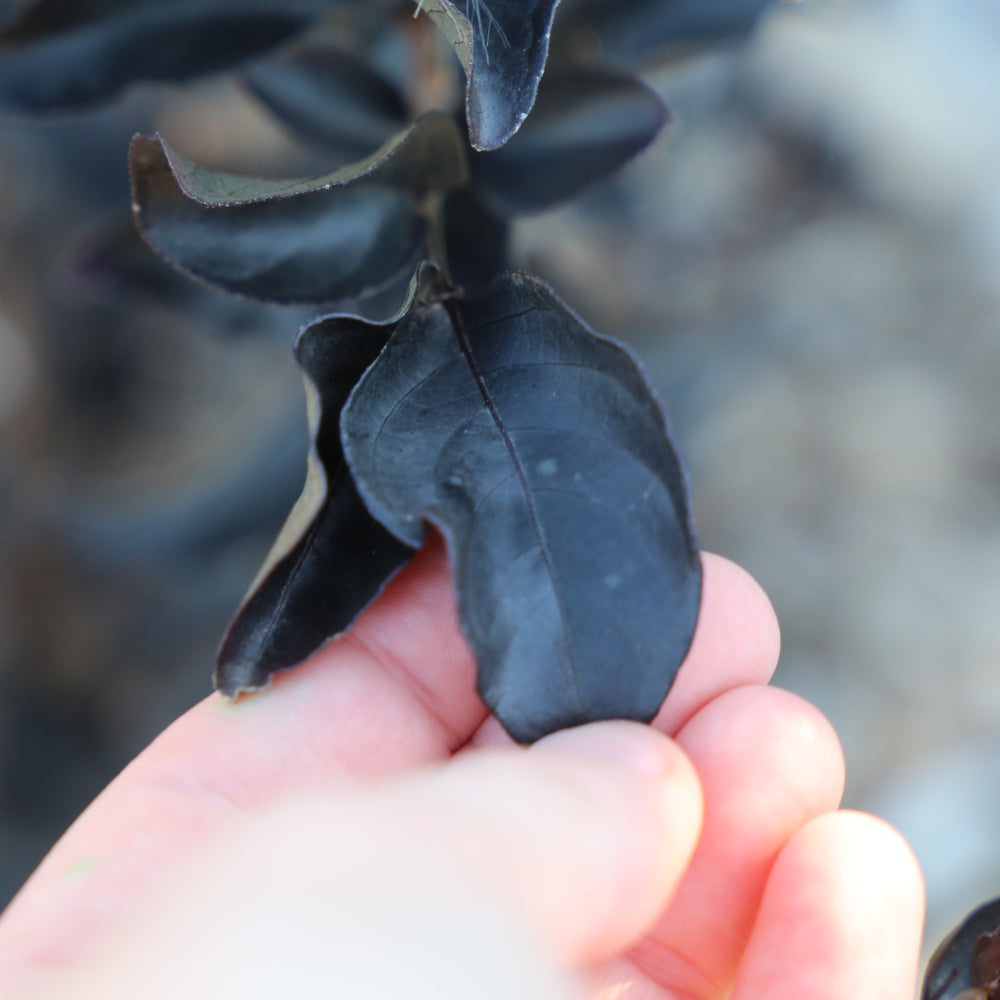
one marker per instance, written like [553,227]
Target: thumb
[487,876]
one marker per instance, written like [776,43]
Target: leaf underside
[57,55]
[328,239]
[540,452]
[332,557]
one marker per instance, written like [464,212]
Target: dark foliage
[475,400]
[503,48]
[330,98]
[341,236]
[541,454]
[632,29]
[332,557]
[58,56]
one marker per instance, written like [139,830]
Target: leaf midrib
[458,325]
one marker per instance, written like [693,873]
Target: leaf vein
[466,348]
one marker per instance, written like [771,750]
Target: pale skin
[363,829]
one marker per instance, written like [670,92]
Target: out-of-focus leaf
[331,557]
[113,266]
[502,46]
[344,235]
[950,970]
[629,29]
[330,98]
[540,452]
[59,55]
[586,124]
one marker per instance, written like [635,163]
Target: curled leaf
[331,557]
[502,47]
[540,452]
[340,236]
[58,55]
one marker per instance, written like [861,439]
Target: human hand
[364,829]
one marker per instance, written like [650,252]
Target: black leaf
[332,557]
[540,452]
[586,124]
[330,98]
[503,46]
[341,236]
[58,55]
[630,29]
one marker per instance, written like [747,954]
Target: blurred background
[808,263]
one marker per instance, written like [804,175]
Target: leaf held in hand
[540,452]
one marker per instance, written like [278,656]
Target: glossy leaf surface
[952,968]
[503,46]
[344,235]
[332,557]
[59,55]
[586,124]
[330,98]
[540,452]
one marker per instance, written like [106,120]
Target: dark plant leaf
[344,235]
[59,55]
[586,124]
[957,963]
[630,29]
[112,265]
[540,452]
[332,557]
[330,98]
[502,46]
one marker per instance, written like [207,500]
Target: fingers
[483,877]
[736,642]
[396,692]
[343,711]
[841,916]
[769,763]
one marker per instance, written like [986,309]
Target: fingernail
[632,744]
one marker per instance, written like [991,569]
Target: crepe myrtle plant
[443,387]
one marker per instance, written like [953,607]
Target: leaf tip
[235,677]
